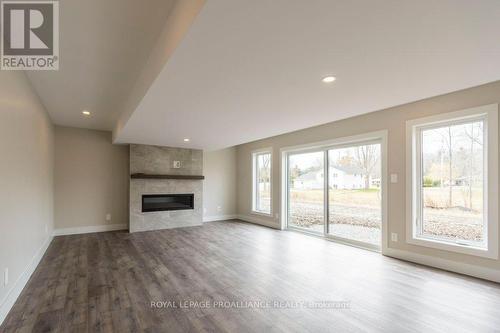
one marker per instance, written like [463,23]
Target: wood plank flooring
[105,282]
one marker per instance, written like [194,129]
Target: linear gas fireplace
[161,202]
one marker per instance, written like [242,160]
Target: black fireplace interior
[161,202]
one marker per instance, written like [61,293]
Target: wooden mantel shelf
[149,176]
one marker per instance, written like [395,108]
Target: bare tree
[474,137]
[366,158]
[266,176]
[446,137]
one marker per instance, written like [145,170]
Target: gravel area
[453,223]
[306,214]
[363,223]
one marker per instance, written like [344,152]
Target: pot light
[186,140]
[86,113]
[328,79]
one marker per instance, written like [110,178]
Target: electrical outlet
[219,208]
[6,277]
[394,178]
[177,164]
[108,217]
[394,237]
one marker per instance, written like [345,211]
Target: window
[329,188]
[354,205]
[262,182]
[306,188]
[451,189]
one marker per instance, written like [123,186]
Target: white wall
[91,180]
[219,187]
[26,183]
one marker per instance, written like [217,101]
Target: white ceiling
[247,70]
[103,46]
[252,69]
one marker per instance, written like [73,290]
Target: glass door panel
[306,191]
[354,196]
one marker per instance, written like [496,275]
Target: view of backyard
[354,193]
[452,193]
[452,160]
[356,213]
[455,221]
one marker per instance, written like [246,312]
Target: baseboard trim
[89,229]
[8,302]
[445,264]
[257,220]
[219,218]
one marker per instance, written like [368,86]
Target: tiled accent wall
[160,160]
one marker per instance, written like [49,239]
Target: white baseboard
[258,220]
[447,265]
[90,229]
[12,295]
[219,218]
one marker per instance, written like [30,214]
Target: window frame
[489,115]
[255,193]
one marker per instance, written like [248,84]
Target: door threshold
[338,240]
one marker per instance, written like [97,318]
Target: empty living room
[249,166]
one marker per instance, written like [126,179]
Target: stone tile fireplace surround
[156,160]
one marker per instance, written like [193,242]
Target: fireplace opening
[161,202]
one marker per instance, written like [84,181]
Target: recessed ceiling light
[186,140]
[328,79]
[86,113]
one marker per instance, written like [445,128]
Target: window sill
[451,247]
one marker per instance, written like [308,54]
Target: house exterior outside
[346,177]
[312,180]
[341,177]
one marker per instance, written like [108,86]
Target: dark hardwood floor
[107,281]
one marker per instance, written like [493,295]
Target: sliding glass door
[354,196]
[336,191]
[306,185]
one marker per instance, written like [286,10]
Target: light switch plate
[394,237]
[394,177]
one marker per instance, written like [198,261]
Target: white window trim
[256,152]
[490,115]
